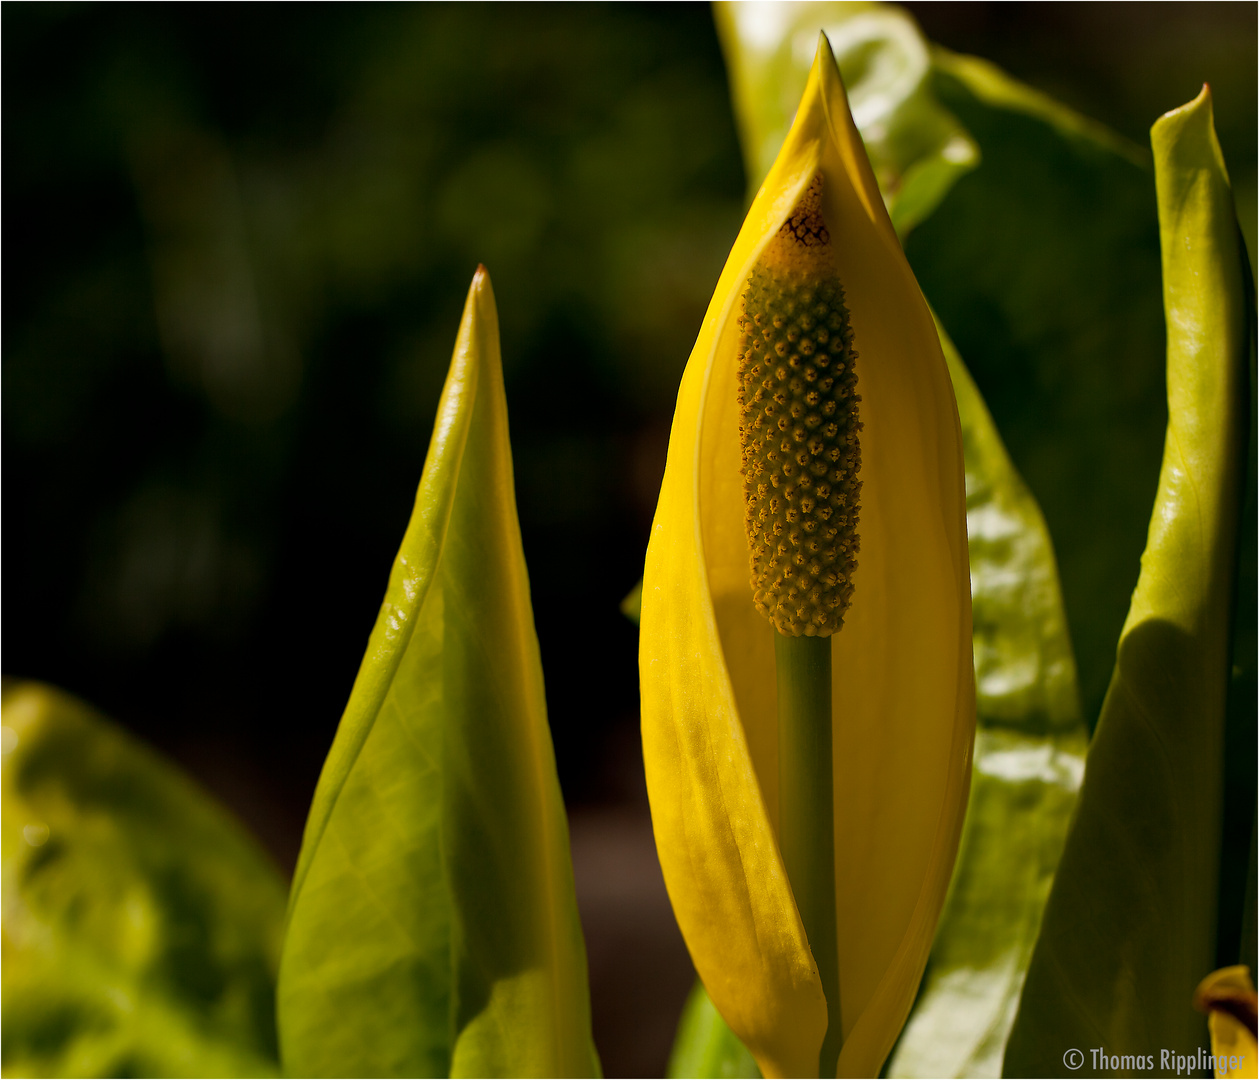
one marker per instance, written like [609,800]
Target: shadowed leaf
[1129,929]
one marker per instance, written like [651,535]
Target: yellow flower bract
[1227,997]
[902,669]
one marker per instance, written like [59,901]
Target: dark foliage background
[237,240]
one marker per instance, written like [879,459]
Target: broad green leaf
[433,926]
[1043,264]
[1029,757]
[1129,929]
[141,925]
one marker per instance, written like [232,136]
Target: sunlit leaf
[1129,929]
[141,925]
[433,926]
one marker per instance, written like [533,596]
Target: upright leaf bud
[799,428]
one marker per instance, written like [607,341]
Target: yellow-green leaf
[1129,929]
[433,927]
[141,925]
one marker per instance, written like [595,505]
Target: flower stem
[806,822]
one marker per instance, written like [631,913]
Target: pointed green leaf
[433,926]
[1029,756]
[141,925]
[1129,929]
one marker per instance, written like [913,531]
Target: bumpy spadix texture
[798,428]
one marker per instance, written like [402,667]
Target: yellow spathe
[1228,998]
[902,670]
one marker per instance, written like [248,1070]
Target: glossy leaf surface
[141,925]
[1042,262]
[1029,757]
[903,701]
[433,926]
[1129,929]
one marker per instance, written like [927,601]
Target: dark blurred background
[237,241]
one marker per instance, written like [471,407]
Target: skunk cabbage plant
[902,680]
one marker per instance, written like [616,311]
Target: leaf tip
[478,329]
[1203,103]
[481,289]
